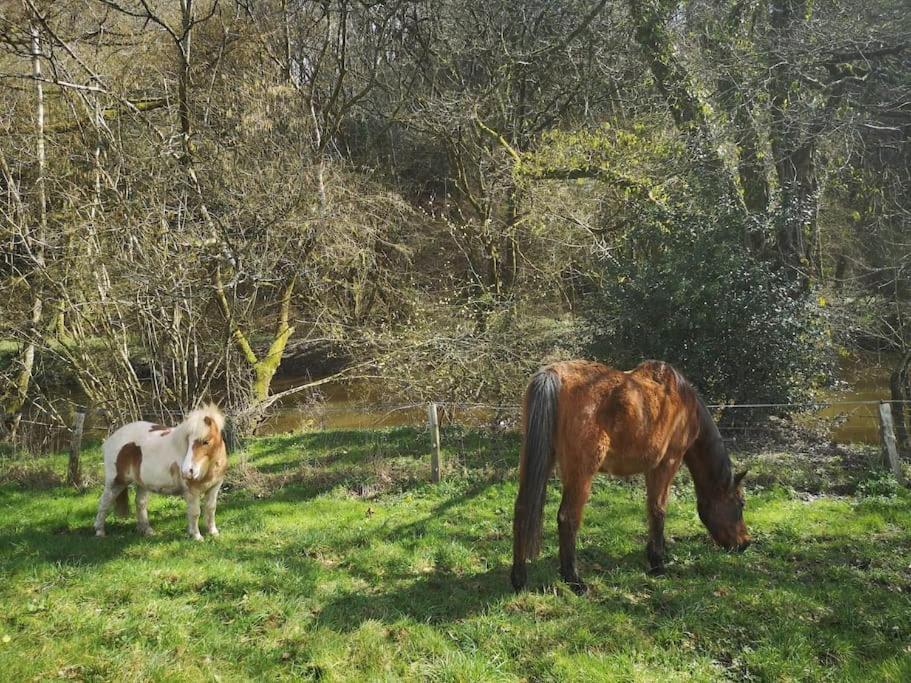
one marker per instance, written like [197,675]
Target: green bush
[693,295]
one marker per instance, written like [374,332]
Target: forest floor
[337,561]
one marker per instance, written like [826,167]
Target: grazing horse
[188,460]
[589,418]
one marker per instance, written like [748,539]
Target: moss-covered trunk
[264,367]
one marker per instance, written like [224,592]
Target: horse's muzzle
[743,546]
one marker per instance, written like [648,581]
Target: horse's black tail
[535,467]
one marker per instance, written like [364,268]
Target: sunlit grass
[341,563]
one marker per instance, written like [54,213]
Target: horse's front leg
[192,498]
[658,484]
[211,502]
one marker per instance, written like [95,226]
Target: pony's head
[203,429]
[722,514]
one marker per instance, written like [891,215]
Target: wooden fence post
[74,472]
[887,439]
[232,441]
[434,422]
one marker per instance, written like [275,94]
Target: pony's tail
[122,503]
[535,466]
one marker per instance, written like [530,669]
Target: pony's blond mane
[195,422]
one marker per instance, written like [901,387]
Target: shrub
[693,295]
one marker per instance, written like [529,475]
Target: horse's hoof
[657,570]
[196,537]
[100,533]
[147,531]
[214,532]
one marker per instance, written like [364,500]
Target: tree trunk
[183,75]
[286,36]
[675,84]
[266,367]
[900,386]
[35,239]
[793,153]
[263,368]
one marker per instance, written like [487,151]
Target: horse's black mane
[709,438]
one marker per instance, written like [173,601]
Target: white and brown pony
[188,460]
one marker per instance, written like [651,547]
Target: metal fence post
[434,422]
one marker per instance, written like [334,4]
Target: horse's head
[722,515]
[204,441]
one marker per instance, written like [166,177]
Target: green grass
[337,562]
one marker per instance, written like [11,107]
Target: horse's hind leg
[111,491]
[575,494]
[658,484]
[142,512]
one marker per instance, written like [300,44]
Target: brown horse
[588,418]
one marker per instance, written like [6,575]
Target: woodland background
[439,196]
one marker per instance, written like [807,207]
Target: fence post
[434,422]
[887,439]
[74,472]
[230,435]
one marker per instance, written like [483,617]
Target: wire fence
[840,422]
[818,446]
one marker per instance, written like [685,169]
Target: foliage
[691,294]
[445,354]
[191,192]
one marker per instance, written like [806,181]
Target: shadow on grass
[328,448]
[776,605]
[57,541]
[432,598]
[404,440]
[60,544]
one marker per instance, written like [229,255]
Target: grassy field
[337,562]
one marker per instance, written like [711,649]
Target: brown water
[855,406]
[357,405]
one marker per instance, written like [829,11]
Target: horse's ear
[739,478]
[208,421]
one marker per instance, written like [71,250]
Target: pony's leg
[569,519]
[111,491]
[142,512]
[658,485]
[211,501]
[193,515]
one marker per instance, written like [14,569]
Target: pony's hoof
[147,531]
[657,570]
[100,533]
[196,537]
[214,532]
